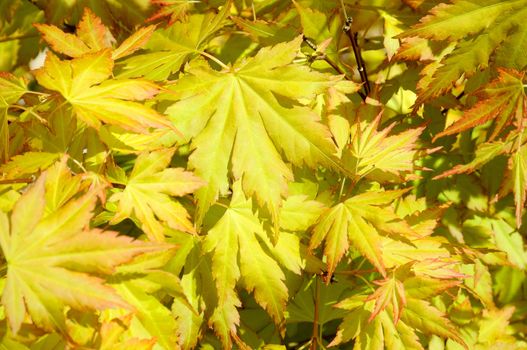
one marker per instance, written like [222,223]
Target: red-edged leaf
[503,99]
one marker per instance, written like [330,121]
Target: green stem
[324,57]
[342,184]
[39,118]
[18,37]
[215,59]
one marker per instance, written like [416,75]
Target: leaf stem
[221,205]
[18,37]
[324,57]
[39,118]
[215,59]
[37,93]
[342,184]
[79,164]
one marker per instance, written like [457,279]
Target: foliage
[263,174]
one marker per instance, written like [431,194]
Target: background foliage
[263,174]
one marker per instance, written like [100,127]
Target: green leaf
[83,83]
[487,24]
[356,221]
[375,155]
[153,316]
[484,153]
[58,252]
[29,163]
[443,21]
[168,49]
[421,315]
[147,194]
[237,253]
[238,120]
[502,99]
[12,88]
[511,242]
[298,213]
[381,333]
[494,325]
[517,180]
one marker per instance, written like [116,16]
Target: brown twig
[358,57]
[314,337]
[324,57]
[16,181]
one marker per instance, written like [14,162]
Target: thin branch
[314,337]
[39,118]
[18,37]
[38,93]
[333,65]
[16,181]
[324,57]
[358,57]
[444,111]
[343,9]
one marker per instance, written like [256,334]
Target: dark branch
[324,57]
[358,57]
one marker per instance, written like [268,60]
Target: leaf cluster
[263,174]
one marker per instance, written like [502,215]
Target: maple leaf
[237,123]
[151,316]
[169,48]
[237,253]
[483,154]
[385,332]
[516,180]
[420,314]
[28,163]
[493,325]
[428,255]
[357,221]
[92,36]
[69,11]
[12,88]
[112,336]
[323,30]
[52,260]
[390,292]
[404,283]
[173,9]
[147,194]
[503,99]
[83,83]
[298,213]
[424,287]
[375,155]
[488,25]
[380,333]
[509,240]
